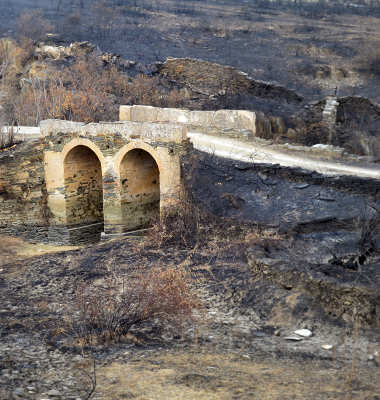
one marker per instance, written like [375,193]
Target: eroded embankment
[351,301]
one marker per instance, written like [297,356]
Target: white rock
[303,332]
[327,346]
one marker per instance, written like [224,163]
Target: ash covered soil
[232,351]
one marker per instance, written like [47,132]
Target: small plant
[369,242]
[179,224]
[108,312]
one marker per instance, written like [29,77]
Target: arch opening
[83,188]
[140,189]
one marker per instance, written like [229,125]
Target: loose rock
[304,332]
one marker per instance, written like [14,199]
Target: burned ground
[285,42]
[232,350]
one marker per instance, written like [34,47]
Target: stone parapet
[223,119]
[163,131]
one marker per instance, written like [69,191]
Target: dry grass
[13,248]
[368,58]
[206,374]
[11,245]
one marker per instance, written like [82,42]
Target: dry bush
[148,91]
[263,239]
[72,26]
[173,99]
[33,25]
[145,91]
[82,92]
[27,50]
[10,245]
[368,58]
[161,296]
[369,241]
[180,224]
[104,18]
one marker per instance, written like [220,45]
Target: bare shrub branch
[108,312]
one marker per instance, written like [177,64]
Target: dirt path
[243,151]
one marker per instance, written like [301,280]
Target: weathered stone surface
[223,119]
[278,125]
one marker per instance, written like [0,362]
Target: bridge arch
[84,142]
[83,183]
[139,168]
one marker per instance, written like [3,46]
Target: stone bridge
[110,177]
[77,182]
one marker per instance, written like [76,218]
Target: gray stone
[54,393]
[325,198]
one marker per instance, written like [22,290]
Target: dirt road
[244,151]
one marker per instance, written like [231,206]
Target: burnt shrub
[368,59]
[107,312]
